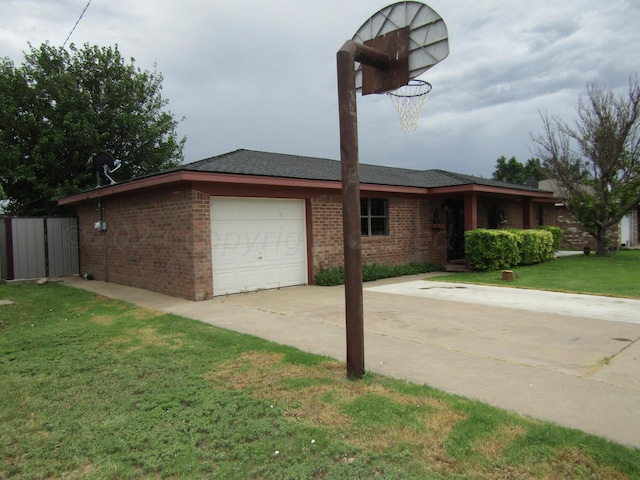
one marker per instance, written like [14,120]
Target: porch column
[528,217]
[470,211]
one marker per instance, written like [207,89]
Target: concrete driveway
[570,359]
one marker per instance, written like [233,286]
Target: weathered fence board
[62,246]
[38,247]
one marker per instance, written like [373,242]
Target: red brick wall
[512,211]
[201,245]
[157,240]
[160,239]
[91,242]
[410,239]
[548,214]
[326,230]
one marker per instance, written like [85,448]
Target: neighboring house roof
[551,185]
[261,167]
[559,192]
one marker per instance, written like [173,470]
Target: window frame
[366,206]
[539,214]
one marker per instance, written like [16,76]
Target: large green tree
[512,171]
[62,106]
[604,144]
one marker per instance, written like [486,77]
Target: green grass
[100,389]
[615,275]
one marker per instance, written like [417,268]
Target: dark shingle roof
[251,162]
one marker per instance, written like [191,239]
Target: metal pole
[351,209]
[350,53]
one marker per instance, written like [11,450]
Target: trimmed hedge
[331,276]
[556,232]
[536,246]
[491,249]
[499,249]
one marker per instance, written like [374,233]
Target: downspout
[106,248]
[103,218]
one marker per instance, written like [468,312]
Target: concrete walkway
[569,359]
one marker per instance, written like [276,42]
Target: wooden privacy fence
[37,247]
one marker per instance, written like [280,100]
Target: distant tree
[3,203]
[604,145]
[62,106]
[512,171]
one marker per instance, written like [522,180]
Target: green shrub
[331,276]
[557,235]
[491,249]
[498,249]
[536,246]
[374,271]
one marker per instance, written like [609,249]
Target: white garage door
[257,243]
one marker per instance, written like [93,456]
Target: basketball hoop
[409,100]
[395,45]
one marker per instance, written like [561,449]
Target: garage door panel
[279,253]
[226,259]
[257,244]
[246,280]
[245,255]
[289,273]
[235,254]
[232,234]
[234,258]
[225,278]
[251,209]
[272,277]
[243,236]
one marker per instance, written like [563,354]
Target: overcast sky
[261,74]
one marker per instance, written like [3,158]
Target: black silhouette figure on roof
[104,164]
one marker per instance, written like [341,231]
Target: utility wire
[77,22]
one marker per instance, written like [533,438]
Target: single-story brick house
[250,220]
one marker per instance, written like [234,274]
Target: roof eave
[458,189]
[183,176]
[147,182]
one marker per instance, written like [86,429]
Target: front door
[455,229]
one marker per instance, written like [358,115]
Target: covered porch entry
[469,210]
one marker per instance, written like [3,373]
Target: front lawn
[96,388]
[615,275]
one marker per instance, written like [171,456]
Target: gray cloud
[262,75]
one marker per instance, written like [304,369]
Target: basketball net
[409,100]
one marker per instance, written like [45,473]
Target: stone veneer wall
[575,238]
